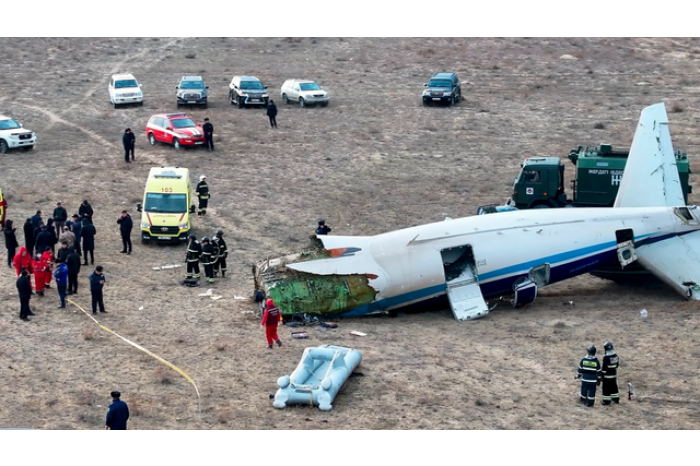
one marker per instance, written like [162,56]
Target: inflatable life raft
[318,378]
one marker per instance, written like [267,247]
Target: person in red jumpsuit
[23,259]
[41,269]
[48,257]
[271,318]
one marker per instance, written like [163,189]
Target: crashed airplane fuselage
[473,258]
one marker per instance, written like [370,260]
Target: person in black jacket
[60,215]
[85,211]
[202,191]
[125,226]
[36,219]
[73,263]
[10,242]
[24,287]
[221,253]
[208,257]
[194,251]
[97,283]
[29,235]
[129,140]
[51,228]
[77,229]
[43,240]
[88,236]
[118,413]
[272,114]
[208,129]
[63,251]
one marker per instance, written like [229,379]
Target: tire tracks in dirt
[54,118]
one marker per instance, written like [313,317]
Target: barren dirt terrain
[374,160]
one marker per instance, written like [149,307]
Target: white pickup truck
[13,136]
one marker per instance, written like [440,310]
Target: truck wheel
[285,99]
[152,139]
[3,147]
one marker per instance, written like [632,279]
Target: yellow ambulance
[167,205]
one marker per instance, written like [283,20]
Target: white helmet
[202,178]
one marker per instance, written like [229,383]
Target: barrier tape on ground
[136,345]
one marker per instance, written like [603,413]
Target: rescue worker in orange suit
[23,260]
[271,319]
[194,251]
[48,257]
[41,269]
[589,373]
[609,373]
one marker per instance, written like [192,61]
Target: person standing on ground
[68,236]
[23,260]
[60,215]
[589,373]
[51,228]
[73,263]
[322,228]
[63,251]
[77,229]
[43,240]
[125,226]
[50,260]
[88,236]
[203,195]
[609,373]
[194,251]
[221,253]
[271,319]
[118,413]
[61,276]
[97,283]
[207,258]
[129,141]
[85,211]
[208,129]
[10,241]
[272,114]
[24,287]
[37,220]
[28,235]
[41,269]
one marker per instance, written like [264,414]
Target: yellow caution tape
[136,345]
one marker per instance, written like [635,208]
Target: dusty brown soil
[374,160]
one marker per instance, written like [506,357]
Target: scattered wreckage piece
[318,378]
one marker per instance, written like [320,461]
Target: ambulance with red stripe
[167,205]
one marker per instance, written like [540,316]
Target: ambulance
[3,209]
[167,205]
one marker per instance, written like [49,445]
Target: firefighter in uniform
[208,257]
[203,195]
[194,250]
[589,373]
[222,252]
[609,373]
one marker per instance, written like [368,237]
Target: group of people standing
[592,374]
[212,254]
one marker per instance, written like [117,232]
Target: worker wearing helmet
[208,257]
[203,195]
[589,373]
[194,251]
[221,253]
[609,374]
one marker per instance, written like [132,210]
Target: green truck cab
[540,183]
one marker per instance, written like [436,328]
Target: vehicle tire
[285,99]
[141,104]
[324,104]
[301,102]
[4,148]
[176,144]
[230,97]
[27,148]
[453,101]
[425,103]
[206,105]
[152,139]
[115,105]
[240,102]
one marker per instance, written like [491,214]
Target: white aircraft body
[485,256]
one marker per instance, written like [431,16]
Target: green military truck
[599,170]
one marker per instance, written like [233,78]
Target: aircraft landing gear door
[626,253]
[462,282]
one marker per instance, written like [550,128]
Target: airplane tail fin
[651,175]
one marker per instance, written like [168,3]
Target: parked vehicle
[13,136]
[167,205]
[174,128]
[303,92]
[247,90]
[191,91]
[442,88]
[124,89]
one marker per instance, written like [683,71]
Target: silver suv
[304,92]
[247,90]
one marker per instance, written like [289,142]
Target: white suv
[304,92]
[12,135]
[124,89]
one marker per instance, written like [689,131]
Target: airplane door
[462,282]
[626,253]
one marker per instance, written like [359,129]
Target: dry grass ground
[374,160]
